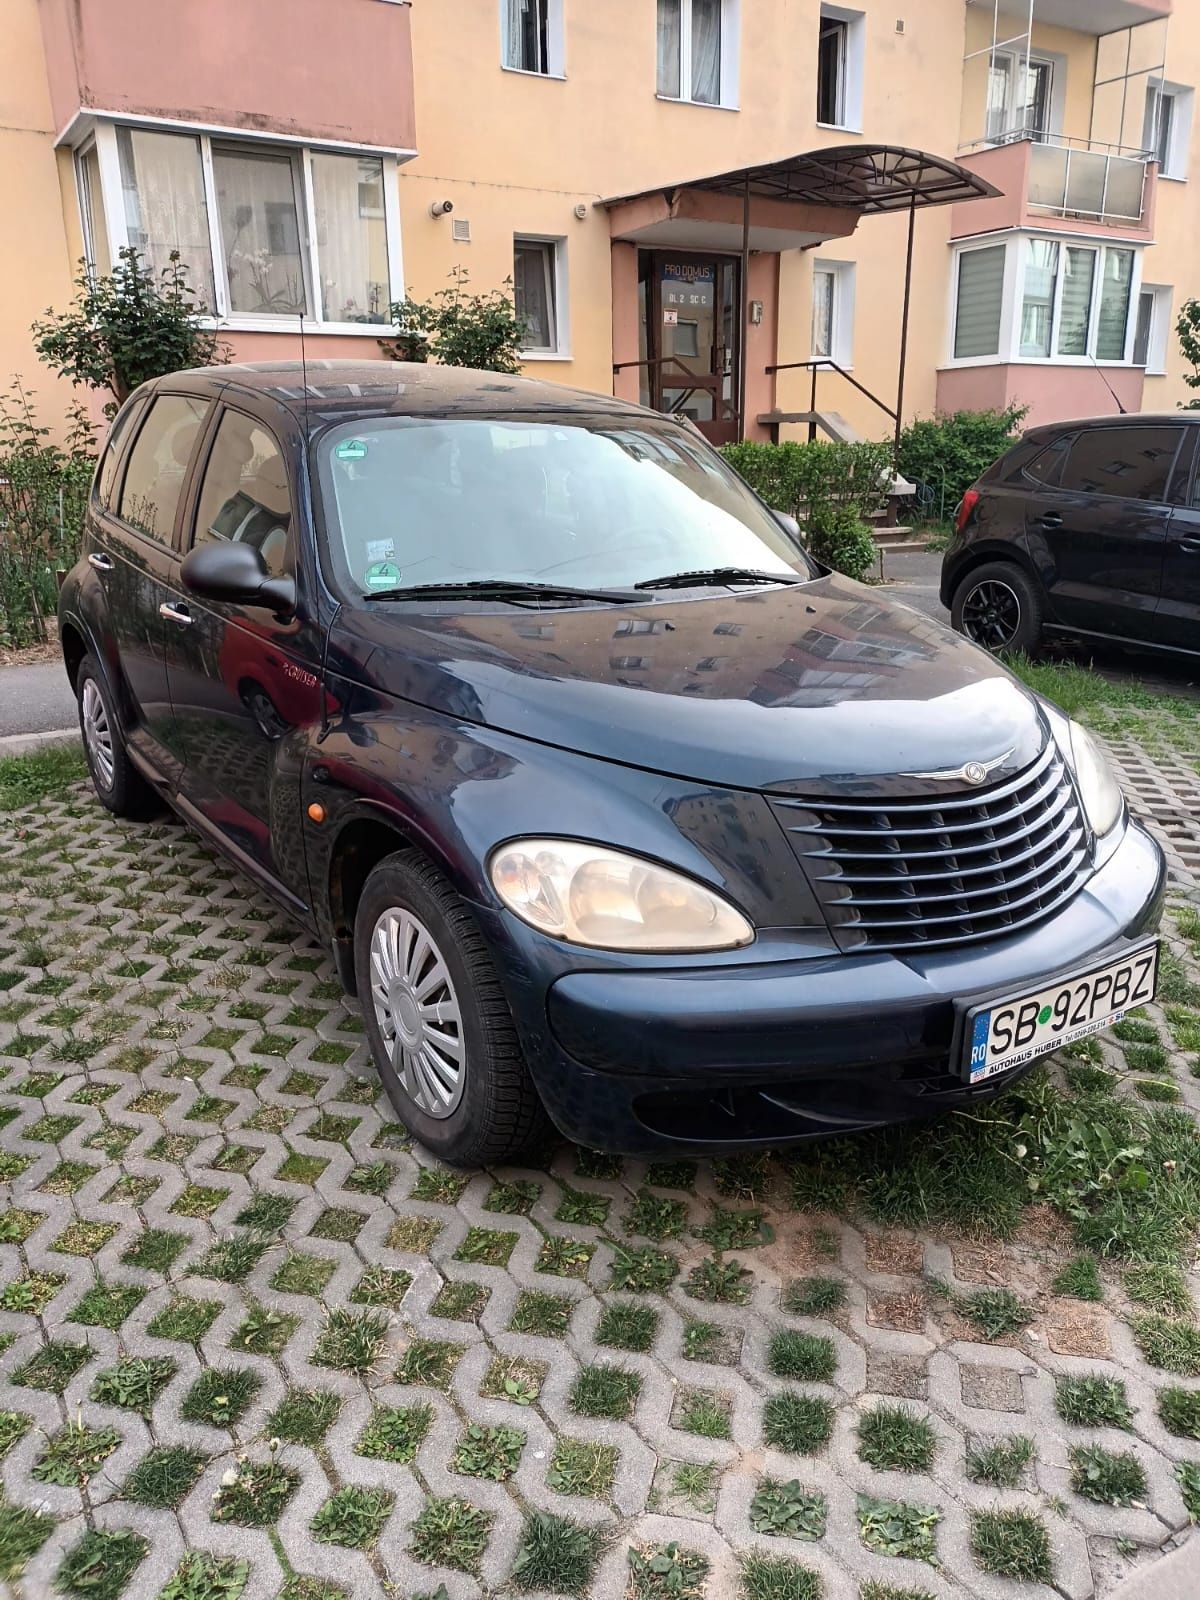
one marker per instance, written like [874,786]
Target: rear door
[1100,537]
[243,680]
[1177,621]
[140,543]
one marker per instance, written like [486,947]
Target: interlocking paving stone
[161,1023]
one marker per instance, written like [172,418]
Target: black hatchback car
[607,800]
[1089,528]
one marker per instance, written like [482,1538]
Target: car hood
[758,689]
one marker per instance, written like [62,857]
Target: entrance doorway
[688,315]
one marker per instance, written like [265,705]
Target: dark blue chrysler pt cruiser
[609,802]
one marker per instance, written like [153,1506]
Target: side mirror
[789,525]
[234,573]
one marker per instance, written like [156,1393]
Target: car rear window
[1134,463]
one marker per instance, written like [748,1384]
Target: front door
[1178,620]
[689,307]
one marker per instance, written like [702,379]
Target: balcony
[1089,16]
[1082,187]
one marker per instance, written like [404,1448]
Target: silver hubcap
[97,735]
[417,1012]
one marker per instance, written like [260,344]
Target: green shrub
[829,486]
[946,454]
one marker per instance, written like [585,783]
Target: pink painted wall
[1053,393]
[1007,166]
[286,346]
[282,66]
[626,332]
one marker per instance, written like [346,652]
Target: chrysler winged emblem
[973,772]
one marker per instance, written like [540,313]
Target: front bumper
[710,1058]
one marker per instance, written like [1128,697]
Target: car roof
[1137,419]
[327,389]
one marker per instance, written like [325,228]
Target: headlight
[588,894]
[1098,789]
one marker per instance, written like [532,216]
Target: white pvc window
[833,312]
[841,46]
[1021,98]
[697,51]
[1167,129]
[1152,328]
[979,302]
[270,233]
[531,36]
[540,294]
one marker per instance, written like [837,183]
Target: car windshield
[599,504]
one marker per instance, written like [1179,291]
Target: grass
[1110,1478]
[489,1247]
[1012,1544]
[1076,689]
[1179,1410]
[106,1305]
[786,1510]
[164,1477]
[185,1319]
[665,1572]
[813,1297]
[72,1456]
[580,1467]
[1001,1463]
[156,1249]
[24,780]
[429,1361]
[893,1439]
[581,1208]
[735,1230]
[515,1199]
[134,1383]
[1188,1475]
[303,1416]
[898,1528]
[355,1517]
[254,1493]
[655,1217]
[32,1293]
[488,1452]
[14,1425]
[605,1391]
[303,1274]
[777,1578]
[440,1185]
[382,1286]
[200,1576]
[801,1424]
[702,1412]
[706,1341]
[101,1564]
[995,1313]
[1159,1287]
[696,1483]
[548,1315]
[394,1433]
[642,1271]
[351,1341]
[717,1280]
[1079,1280]
[1168,1343]
[221,1396]
[232,1260]
[556,1555]
[1093,1402]
[460,1301]
[23,1532]
[451,1533]
[807,1356]
[627,1327]
[565,1258]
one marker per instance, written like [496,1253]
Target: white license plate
[1000,1034]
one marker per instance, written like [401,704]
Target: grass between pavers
[556,1555]
[787,1510]
[354,1517]
[1093,1402]
[666,1572]
[24,780]
[101,1564]
[1002,1462]
[579,1466]
[777,1578]
[23,1532]
[1111,1478]
[1012,1544]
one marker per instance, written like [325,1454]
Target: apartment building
[710,204]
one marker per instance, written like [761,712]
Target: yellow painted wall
[35,253]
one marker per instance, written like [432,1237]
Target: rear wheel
[437,1020]
[999,607]
[117,782]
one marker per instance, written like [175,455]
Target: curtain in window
[162,186]
[1076,302]
[533,293]
[706,51]
[1037,305]
[351,237]
[513,31]
[260,231]
[822,312]
[670,34]
[1115,282]
[980,295]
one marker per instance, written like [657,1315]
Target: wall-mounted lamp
[581,211]
[441,208]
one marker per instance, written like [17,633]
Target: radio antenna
[1108,386]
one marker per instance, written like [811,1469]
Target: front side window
[244,495]
[406,501]
[980,302]
[106,477]
[1134,463]
[158,464]
[535,292]
[691,48]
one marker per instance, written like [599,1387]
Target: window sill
[292,325]
[1173,177]
[546,355]
[1059,362]
[839,127]
[527,72]
[703,105]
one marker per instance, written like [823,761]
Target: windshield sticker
[382,575]
[381,549]
[351,450]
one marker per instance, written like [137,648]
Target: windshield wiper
[715,575]
[519,591]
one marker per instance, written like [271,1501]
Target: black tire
[117,782]
[499,1114]
[999,607]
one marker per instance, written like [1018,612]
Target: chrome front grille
[925,871]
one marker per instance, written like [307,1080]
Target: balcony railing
[1076,178]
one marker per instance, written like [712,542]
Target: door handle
[1192,546]
[1051,520]
[175,614]
[100,561]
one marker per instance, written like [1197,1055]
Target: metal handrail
[1130,152]
[827,361]
[710,383]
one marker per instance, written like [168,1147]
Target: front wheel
[117,782]
[999,607]
[437,1020]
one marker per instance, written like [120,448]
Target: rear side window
[1047,466]
[1134,463]
[158,464]
[245,492]
[106,478]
